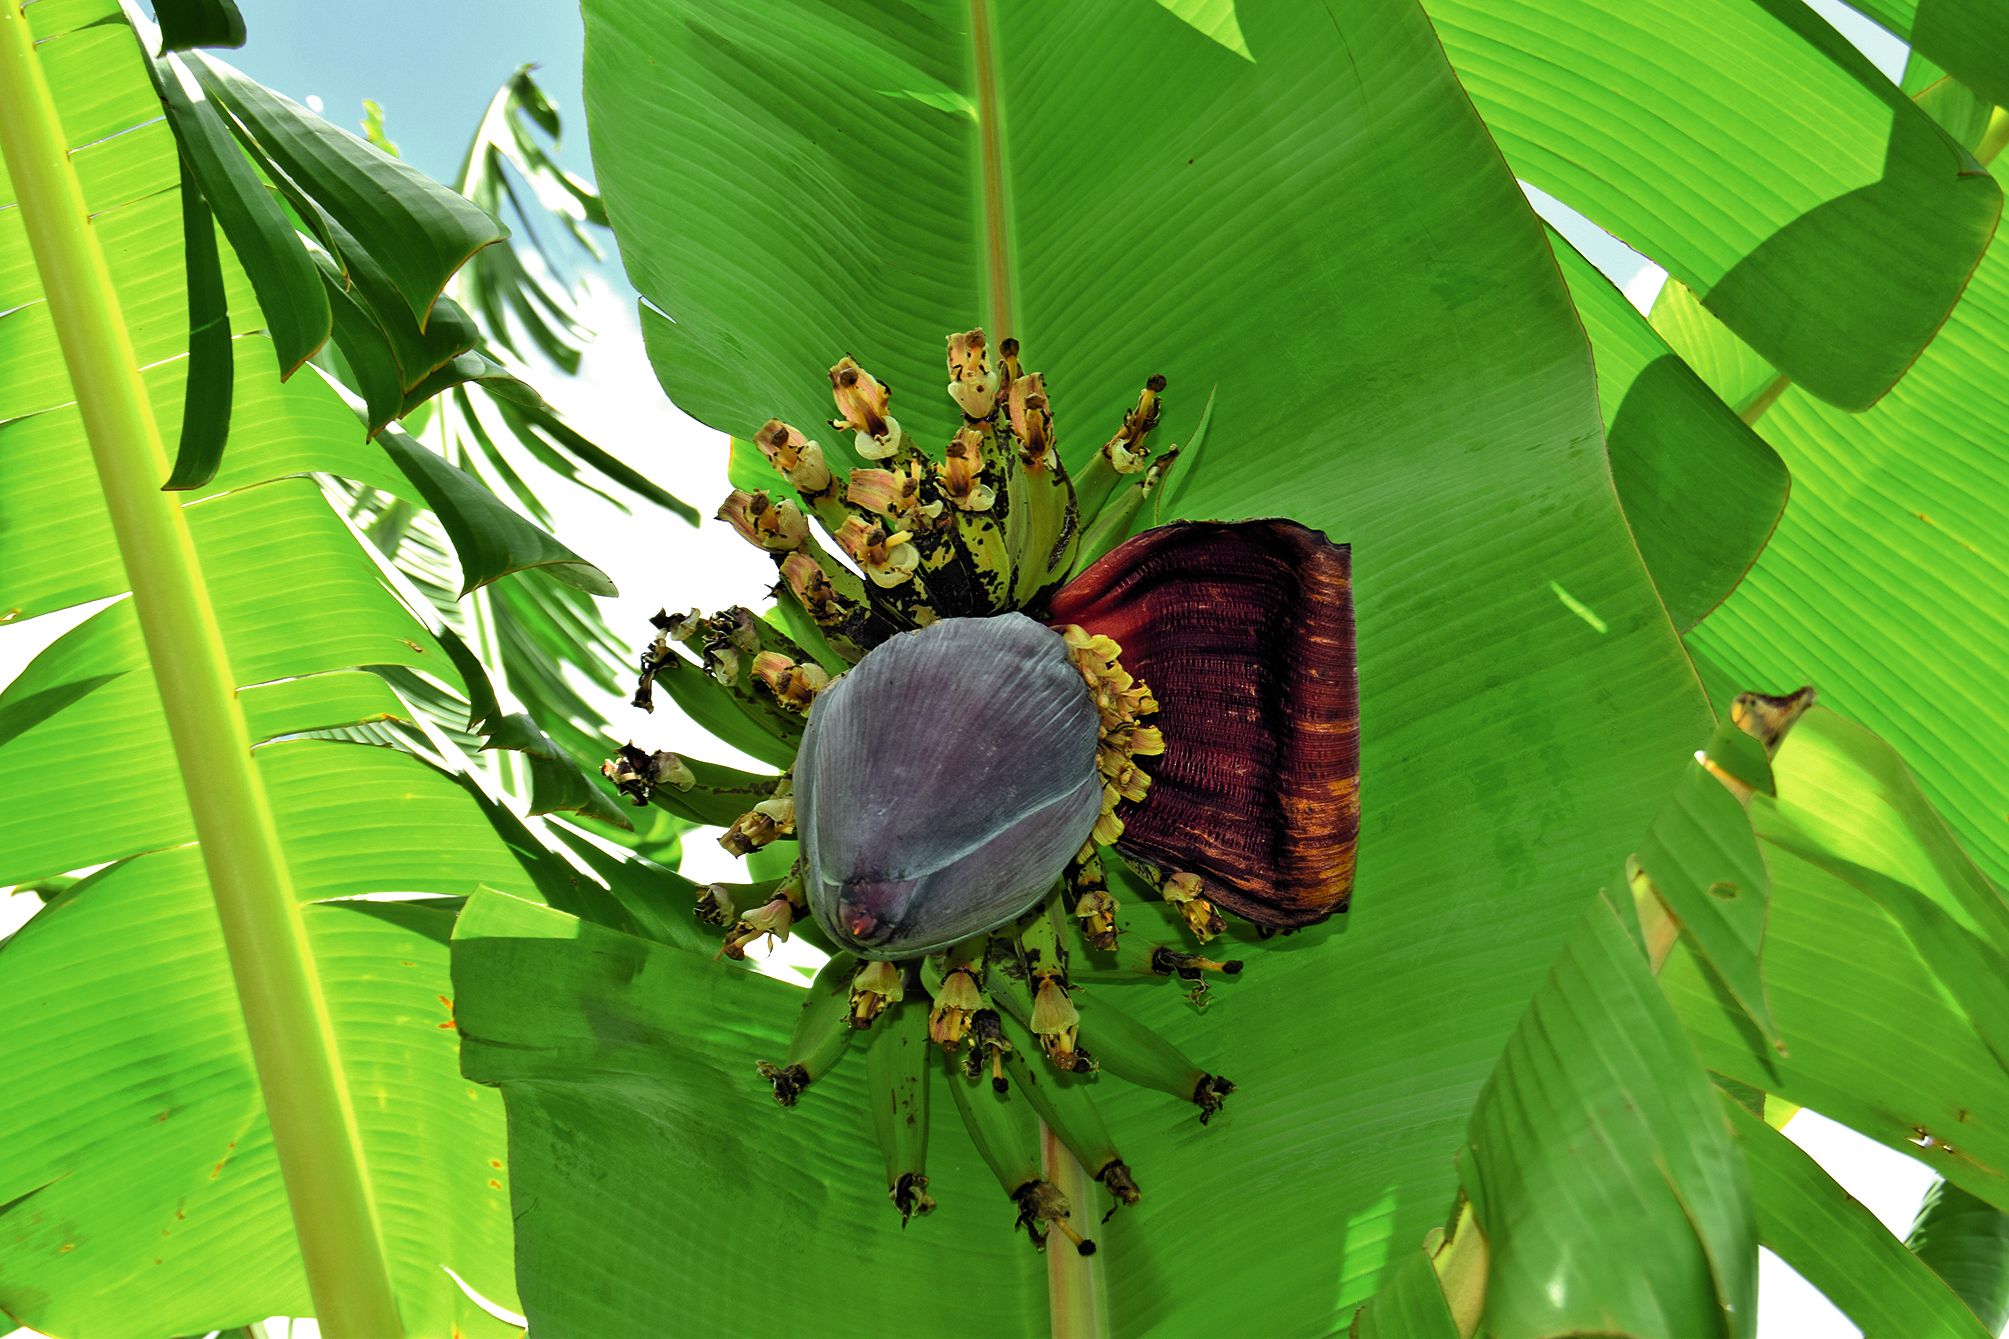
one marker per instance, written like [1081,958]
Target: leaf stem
[990,153]
[292,1042]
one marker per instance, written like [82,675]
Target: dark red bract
[1244,633]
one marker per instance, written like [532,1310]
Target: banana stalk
[822,1031]
[896,1084]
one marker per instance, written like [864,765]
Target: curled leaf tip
[1769,719]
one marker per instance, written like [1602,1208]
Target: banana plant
[1400,364]
[1300,219]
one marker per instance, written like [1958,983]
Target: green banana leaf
[1701,491]
[1966,1242]
[1599,1166]
[1884,994]
[1882,585]
[1598,1114]
[1837,1245]
[1409,1306]
[139,1190]
[1878,586]
[1969,37]
[142,1191]
[1664,125]
[540,631]
[824,163]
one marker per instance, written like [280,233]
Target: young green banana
[1062,1101]
[1048,520]
[1038,995]
[1136,960]
[1136,1054]
[822,1031]
[1007,1137]
[1090,905]
[896,1085]
[1123,456]
[971,480]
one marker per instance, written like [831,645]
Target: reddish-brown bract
[1244,633]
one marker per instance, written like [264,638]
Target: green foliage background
[1559,514]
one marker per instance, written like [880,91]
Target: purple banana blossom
[944,783]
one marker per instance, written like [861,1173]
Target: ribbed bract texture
[943,784]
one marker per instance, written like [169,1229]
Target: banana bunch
[969,1018]
[983,759]
[995,524]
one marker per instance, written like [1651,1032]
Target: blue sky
[431,63]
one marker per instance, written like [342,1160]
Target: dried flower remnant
[794,685]
[877,985]
[888,558]
[988,1048]
[862,406]
[972,383]
[636,774]
[770,921]
[760,826]
[956,1002]
[796,458]
[1006,709]
[960,477]
[1126,452]
[778,527]
[1181,892]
